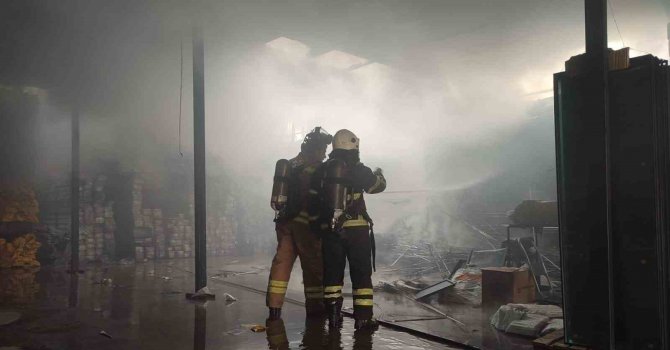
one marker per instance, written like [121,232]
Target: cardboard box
[504,285]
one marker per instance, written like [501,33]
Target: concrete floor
[142,306]
[468,324]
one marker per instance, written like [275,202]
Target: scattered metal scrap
[392,288]
[428,318]
[105,334]
[420,258]
[227,273]
[434,289]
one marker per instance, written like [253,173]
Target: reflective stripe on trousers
[332,292]
[277,287]
[295,240]
[363,297]
[352,244]
[314,292]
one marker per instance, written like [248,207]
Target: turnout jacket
[299,185]
[361,179]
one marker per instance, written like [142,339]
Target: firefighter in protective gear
[351,237]
[294,238]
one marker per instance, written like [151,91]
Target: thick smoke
[435,92]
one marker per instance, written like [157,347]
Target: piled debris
[416,259]
[467,287]
[528,319]
[454,274]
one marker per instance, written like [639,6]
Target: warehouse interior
[525,145]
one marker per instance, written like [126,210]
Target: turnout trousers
[294,239]
[352,244]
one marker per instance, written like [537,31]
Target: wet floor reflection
[142,307]
[276,334]
[200,327]
[362,340]
[317,336]
[334,340]
[314,335]
[19,285]
[73,293]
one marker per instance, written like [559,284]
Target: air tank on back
[336,188]
[280,186]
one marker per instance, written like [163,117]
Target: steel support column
[583,162]
[598,107]
[199,160]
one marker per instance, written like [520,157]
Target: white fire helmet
[345,139]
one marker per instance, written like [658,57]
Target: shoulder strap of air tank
[373,248]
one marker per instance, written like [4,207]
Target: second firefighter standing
[294,237]
[337,210]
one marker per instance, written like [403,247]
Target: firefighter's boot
[334,311]
[275,313]
[369,324]
[315,309]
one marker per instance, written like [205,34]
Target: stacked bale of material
[87,241]
[54,207]
[96,221]
[18,285]
[149,235]
[138,184]
[19,206]
[91,241]
[18,203]
[159,233]
[109,229]
[179,233]
[22,251]
[142,232]
[220,236]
